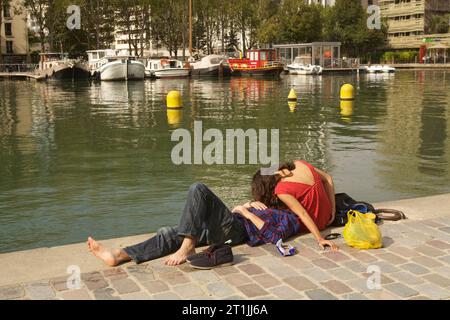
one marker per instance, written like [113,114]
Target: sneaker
[221,256]
[203,253]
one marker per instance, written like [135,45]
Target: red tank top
[313,198]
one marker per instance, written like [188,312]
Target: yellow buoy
[292,106]
[174,100]
[292,96]
[347,92]
[174,116]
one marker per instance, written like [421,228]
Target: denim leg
[166,241]
[205,217]
[205,212]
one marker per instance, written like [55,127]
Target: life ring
[164,62]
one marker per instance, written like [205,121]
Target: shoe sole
[209,268]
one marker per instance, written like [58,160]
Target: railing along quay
[27,71]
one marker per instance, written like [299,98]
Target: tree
[207,23]
[167,24]
[1,21]
[347,22]
[301,23]
[97,16]
[292,21]
[243,15]
[440,24]
[268,15]
[38,13]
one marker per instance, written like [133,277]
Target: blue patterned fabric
[279,224]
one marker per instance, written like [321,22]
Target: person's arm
[329,187]
[243,211]
[269,232]
[296,207]
[255,204]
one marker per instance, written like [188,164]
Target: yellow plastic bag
[362,232]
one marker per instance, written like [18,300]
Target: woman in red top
[306,191]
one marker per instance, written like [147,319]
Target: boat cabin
[49,60]
[160,64]
[255,58]
[96,58]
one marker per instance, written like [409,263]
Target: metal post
[190,28]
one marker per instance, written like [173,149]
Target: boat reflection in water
[251,90]
[120,104]
[117,93]
[379,77]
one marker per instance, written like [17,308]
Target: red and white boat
[258,62]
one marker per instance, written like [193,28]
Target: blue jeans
[205,218]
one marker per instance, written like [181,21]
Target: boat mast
[190,28]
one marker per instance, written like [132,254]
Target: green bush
[399,56]
[388,57]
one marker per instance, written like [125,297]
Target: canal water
[81,158]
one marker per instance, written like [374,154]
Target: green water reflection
[87,158]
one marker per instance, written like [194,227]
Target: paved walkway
[414,264]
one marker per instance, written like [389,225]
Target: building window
[6,11]
[8,29]
[9,47]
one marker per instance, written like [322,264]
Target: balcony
[406,25]
[390,10]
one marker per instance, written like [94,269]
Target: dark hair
[263,186]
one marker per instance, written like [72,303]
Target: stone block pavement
[414,264]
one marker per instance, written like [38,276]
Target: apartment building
[13,33]
[409,21]
[366,3]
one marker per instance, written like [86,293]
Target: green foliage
[399,56]
[347,22]
[1,18]
[440,24]
[235,24]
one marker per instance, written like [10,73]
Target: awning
[438,46]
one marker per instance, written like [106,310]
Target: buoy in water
[292,96]
[174,100]
[347,92]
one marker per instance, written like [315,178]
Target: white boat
[166,68]
[379,69]
[208,66]
[108,65]
[59,66]
[300,68]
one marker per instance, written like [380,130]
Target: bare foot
[102,253]
[179,257]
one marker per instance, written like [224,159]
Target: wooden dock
[437,66]
[341,70]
